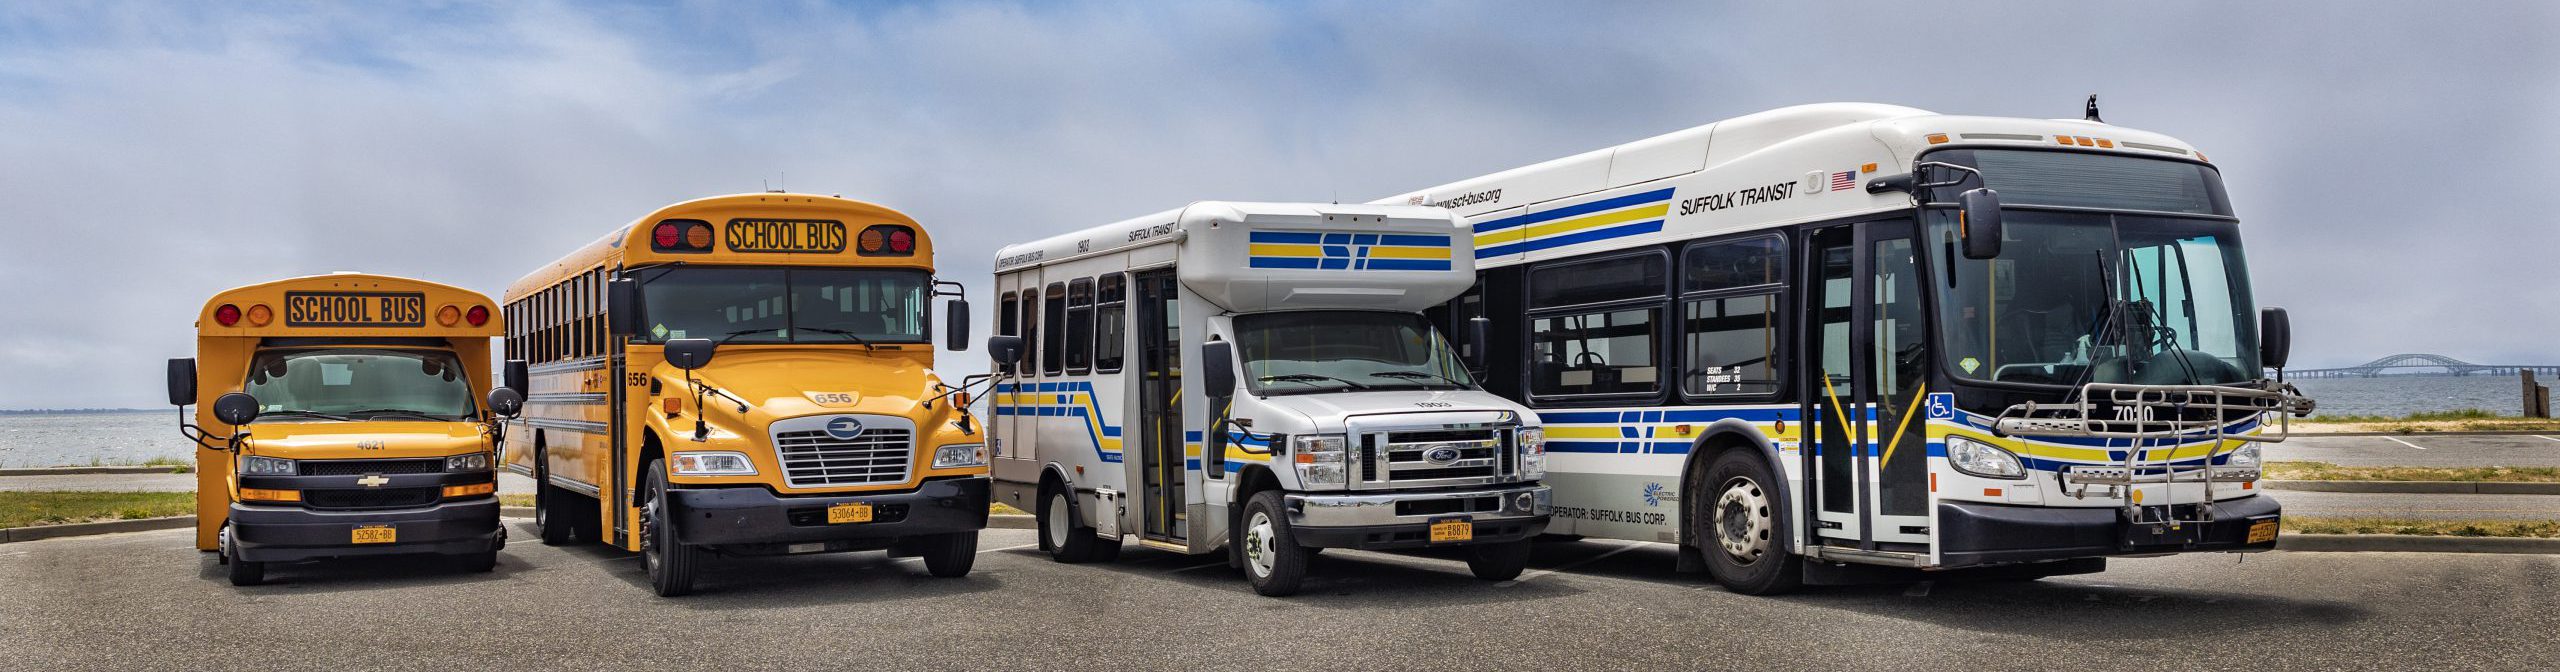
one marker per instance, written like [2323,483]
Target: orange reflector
[1869,168]
[448,315]
[2247,485]
[672,405]
[2200,157]
[469,490]
[960,399]
[1937,138]
[2084,142]
[2063,140]
[260,315]
[264,495]
[1933,482]
[1306,458]
[1992,492]
[871,239]
[698,237]
[2104,143]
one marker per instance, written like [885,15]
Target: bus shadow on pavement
[867,577]
[381,572]
[1337,579]
[2080,608]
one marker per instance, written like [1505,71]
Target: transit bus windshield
[342,384]
[2093,297]
[783,305]
[1337,350]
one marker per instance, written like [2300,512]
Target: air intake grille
[371,498]
[812,459]
[362,467]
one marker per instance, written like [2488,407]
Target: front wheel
[1498,562]
[243,572]
[1273,560]
[1065,540]
[1737,527]
[670,561]
[549,522]
[951,555]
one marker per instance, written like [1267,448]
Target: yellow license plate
[2262,531]
[376,534]
[856,512]
[1452,530]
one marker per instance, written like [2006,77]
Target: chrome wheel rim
[1057,522]
[1742,520]
[1258,551]
[651,543]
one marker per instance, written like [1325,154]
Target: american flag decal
[1842,181]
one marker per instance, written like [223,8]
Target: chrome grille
[1407,454]
[815,459]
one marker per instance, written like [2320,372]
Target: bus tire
[549,521]
[481,562]
[1066,541]
[1737,527]
[670,562]
[1498,562]
[243,572]
[951,555]
[1273,560]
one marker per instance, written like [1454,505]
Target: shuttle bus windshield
[359,384]
[1331,351]
[779,305]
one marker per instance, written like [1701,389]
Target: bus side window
[1054,309]
[1030,331]
[1008,319]
[1110,332]
[1728,316]
[1079,326]
[1595,327]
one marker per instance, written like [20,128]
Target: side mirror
[518,378]
[236,409]
[957,321]
[1004,350]
[622,306]
[690,353]
[2275,337]
[506,402]
[1218,364]
[1978,222]
[182,381]
[1480,339]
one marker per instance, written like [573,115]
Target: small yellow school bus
[820,426]
[339,415]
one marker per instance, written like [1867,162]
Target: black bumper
[1415,535]
[288,533]
[754,515]
[1971,534]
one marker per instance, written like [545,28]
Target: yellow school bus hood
[789,383]
[360,440]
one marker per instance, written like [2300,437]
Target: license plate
[376,534]
[2262,531]
[1452,530]
[857,512]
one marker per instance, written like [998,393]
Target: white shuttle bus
[1845,342]
[1318,409]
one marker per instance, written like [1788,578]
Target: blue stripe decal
[1411,240]
[1407,264]
[1286,237]
[1569,211]
[1286,262]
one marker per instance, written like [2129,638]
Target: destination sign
[355,309]
[786,235]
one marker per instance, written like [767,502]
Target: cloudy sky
[2382,160]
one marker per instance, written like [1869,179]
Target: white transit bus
[1843,342]
[1322,409]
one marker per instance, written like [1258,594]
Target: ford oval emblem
[844,429]
[1441,455]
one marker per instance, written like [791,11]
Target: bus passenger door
[1010,413]
[1160,450]
[1863,385]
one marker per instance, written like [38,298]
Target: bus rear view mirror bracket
[236,409]
[1978,222]
[1218,369]
[182,381]
[2275,337]
[622,306]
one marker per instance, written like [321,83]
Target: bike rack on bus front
[2194,414]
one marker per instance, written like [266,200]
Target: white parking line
[2404,443]
[1007,548]
[1524,578]
[2545,438]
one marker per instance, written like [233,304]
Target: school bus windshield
[359,384]
[783,305]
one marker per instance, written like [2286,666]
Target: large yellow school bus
[337,415]
[820,426]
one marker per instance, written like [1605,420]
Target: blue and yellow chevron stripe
[1629,215]
[1317,250]
[1674,430]
[1075,399]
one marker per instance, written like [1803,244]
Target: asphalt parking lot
[148,601]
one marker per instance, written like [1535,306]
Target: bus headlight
[1533,453]
[960,455]
[2244,456]
[1319,458]
[713,463]
[471,462]
[266,466]
[1983,459]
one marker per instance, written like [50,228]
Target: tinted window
[1597,281]
[1734,264]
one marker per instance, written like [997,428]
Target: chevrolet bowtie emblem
[372,481]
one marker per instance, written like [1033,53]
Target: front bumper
[754,515]
[1971,534]
[261,533]
[1403,519]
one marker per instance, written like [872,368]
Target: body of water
[132,438]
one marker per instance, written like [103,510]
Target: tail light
[887,239]
[448,315]
[477,316]
[871,240]
[697,236]
[902,241]
[260,315]
[666,235]
[227,315]
[681,235]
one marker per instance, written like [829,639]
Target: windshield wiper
[731,336]
[857,338]
[1419,375]
[1311,378]
[398,411]
[299,413]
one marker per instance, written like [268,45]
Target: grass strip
[2541,529]
[24,509]
[527,500]
[2323,471]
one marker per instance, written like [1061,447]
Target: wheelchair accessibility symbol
[1942,406]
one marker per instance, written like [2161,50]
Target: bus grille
[371,498]
[362,467]
[811,459]
[1479,454]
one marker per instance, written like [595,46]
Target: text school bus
[819,426]
[1257,377]
[1812,342]
[337,415]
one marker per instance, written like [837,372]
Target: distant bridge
[2404,364]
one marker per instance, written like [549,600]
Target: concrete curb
[74,471]
[17,534]
[515,512]
[2418,487]
[2414,544]
[1012,522]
